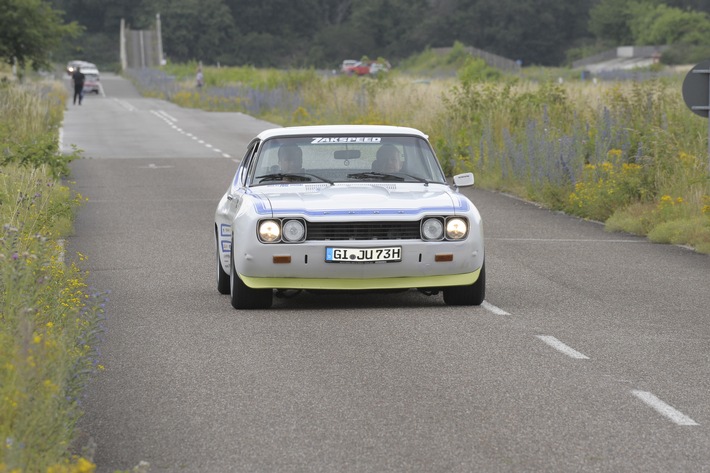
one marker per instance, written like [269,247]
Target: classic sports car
[346,208]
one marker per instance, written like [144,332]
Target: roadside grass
[49,318]
[610,151]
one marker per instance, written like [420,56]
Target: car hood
[403,200]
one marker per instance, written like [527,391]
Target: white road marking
[167,115]
[155,166]
[170,120]
[125,105]
[491,308]
[664,409]
[561,347]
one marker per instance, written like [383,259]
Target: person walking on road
[78,79]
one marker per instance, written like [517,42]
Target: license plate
[363,255]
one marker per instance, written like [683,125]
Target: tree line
[321,33]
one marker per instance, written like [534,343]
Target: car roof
[82,64]
[339,130]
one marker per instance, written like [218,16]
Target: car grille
[363,231]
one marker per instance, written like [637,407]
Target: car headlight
[270,231]
[456,228]
[294,230]
[432,229]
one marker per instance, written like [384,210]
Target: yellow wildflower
[614,153]
[84,466]
[607,166]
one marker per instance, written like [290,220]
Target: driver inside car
[387,159]
[290,159]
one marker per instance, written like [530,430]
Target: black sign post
[696,93]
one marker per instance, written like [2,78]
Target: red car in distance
[363,68]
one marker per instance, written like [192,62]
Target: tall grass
[29,119]
[612,151]
[49,318]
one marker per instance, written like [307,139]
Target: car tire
[223,286]
[244,297]
[473,294]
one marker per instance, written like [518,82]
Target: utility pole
[161,60]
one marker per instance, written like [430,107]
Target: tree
[30,30]
[609,22]
[196,30]
[535,31]
[662,24]
[391,25]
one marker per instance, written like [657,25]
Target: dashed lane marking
[561,347]
[125,105]
[664,409]
[170,120]
[491,308]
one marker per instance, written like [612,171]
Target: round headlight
[432,229]
[294,230]
[269,231]
[456,228]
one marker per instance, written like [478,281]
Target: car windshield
[350,158]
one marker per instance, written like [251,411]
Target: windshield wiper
[321,178]
[280,176]
[417,178]
[375,175]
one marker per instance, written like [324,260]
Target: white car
[346,208]
[92,80]
[347,65]
[72,65]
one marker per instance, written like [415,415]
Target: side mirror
[463,180]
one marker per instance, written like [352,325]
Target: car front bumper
[303,266]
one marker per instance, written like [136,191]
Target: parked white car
[92,81]
[72,65]
[349,208]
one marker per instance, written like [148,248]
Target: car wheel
[222,277]
[473,294]
[244,297]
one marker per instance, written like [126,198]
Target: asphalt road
[591,353]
